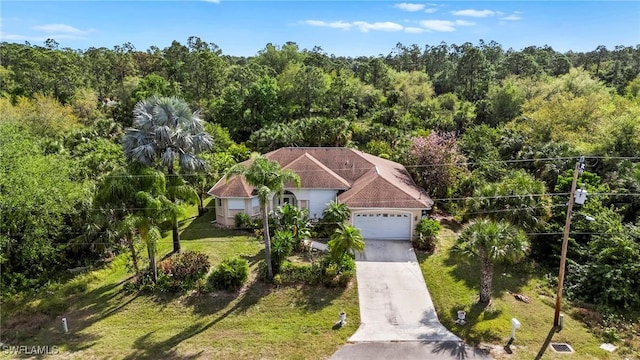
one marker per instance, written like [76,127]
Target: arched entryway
[286,198]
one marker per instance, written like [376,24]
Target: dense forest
[487,131]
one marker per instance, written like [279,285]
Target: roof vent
[561,348]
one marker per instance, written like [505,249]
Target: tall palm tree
[491,242]
[268,178]
[518,198]
[345,239]
[167,133]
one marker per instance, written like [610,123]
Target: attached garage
[383,225]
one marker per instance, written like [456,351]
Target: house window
[235,204]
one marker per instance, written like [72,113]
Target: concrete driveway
[395,304]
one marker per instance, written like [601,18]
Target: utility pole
[567,225]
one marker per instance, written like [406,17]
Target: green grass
[259,321]
[453,284]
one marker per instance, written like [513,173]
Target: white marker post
[515,324]
[65,328]
[343,318]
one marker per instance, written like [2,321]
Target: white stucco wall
[318,201]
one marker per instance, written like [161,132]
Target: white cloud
[415,30]
[212,1]
[438,25]
[464,23]
[513,17]
[363,26]
[60,28]
[335,24]
[430,10]
[474,13]
[380,26]
[409,7]
[36,38]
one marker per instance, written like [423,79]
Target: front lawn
[453,284]
[259,321]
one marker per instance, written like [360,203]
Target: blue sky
[349,28]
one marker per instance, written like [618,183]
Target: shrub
[229,275]
[165,266]
[426,235]
[189,266]
[281,247]
[242,221]
[291,273]
[289,218]
[178,273]
[343,278]
[334,274]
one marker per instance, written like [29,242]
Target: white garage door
[383,226]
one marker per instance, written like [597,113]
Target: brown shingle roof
[369,181]
[235,187]
[314,175]
[343,161]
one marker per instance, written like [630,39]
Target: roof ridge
[406,188]
[248,188]
[359,153]
[319,164]
[350,193]
[215,185]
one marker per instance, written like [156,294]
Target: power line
[364,203]
[491,162]
[439,164]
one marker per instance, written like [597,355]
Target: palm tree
[518,198]
[491,242]
[134,197]
[167,133]
[345,239]
[268,178]
[150,234]
[334,215]
[281,248]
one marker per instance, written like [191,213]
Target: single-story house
[384,200]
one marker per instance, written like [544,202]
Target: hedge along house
[385,202]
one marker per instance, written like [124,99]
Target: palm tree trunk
[134,255]
[486,277]
[267,241]
[176,237]
[201,205]
[174,229]
[152,262]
